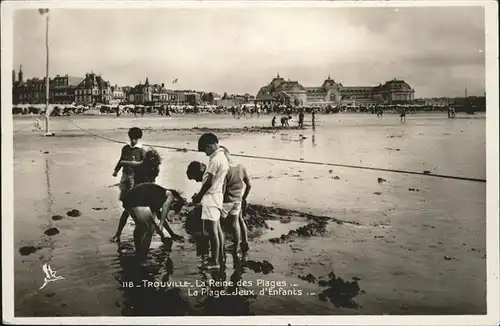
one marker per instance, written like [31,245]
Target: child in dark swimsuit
[143,202]
[143,171]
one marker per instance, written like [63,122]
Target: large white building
[334,93]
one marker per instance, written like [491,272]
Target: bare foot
[211,265]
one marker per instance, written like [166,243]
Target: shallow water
[398,250]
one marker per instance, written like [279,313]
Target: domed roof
[397,84]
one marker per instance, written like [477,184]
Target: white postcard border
[492,147]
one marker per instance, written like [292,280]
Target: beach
[396,243]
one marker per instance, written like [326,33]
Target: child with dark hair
[132,152]
[211,195]
[149,168]
[144,201]
[145,171]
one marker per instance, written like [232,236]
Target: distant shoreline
[203,115]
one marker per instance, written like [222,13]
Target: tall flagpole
[47,81]
[47,92]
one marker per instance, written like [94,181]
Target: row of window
[88,98]
[92,91]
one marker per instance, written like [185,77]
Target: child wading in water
[235,200]
[146,202]
[234,203]
[211,195]
[131,157]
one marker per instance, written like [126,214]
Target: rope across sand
[277,159]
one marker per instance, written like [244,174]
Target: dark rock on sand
[309,278]
[52,231]
[258,267]
[340,292]
[427,172]
[74,213]
[46,152]
[381,180]
[27,250]
[287,219]
[99,208]
[316,228]
[57,217]
[336,177]
[378,193]
[182,150]
[255,217]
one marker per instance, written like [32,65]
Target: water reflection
[145,288]
[50,197]
[226,298]
[47,258]
[314,140]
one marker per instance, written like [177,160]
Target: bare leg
[121,225]
[235,223]
[143,231]
[222,241]
[213,232]
[243,229]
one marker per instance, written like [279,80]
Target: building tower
[148,96]
[20,74]
[13,76]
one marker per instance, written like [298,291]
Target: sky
[237,50]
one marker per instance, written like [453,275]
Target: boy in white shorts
[211,195]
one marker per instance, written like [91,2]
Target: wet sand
[350,242]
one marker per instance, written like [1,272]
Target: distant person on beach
[453,113]
[313,118]
[130,152]
[449,112]
[145,202]
[37,124]
[403,115]
[301,119]
[284,121]
[273,122]
[211,195]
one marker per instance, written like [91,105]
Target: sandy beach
[337,240]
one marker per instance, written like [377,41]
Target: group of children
[222,196]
